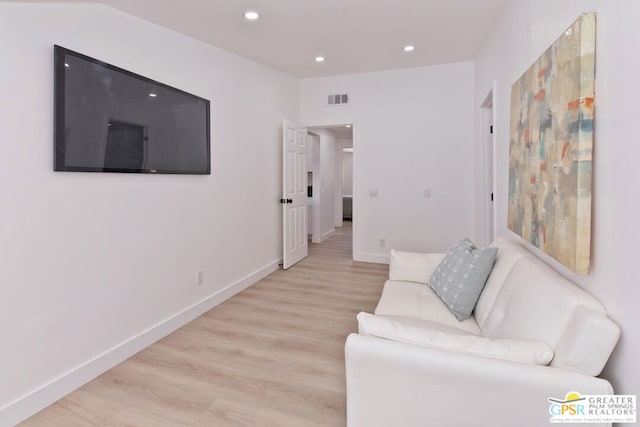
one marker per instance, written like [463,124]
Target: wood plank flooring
[272,355]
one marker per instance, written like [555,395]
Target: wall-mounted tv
[111,120]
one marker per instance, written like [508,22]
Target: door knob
[289,200]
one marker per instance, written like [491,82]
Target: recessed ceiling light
[251,15]
[409,48]
[153,95]
[319,58]
[348,126]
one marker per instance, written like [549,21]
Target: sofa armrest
[394,383]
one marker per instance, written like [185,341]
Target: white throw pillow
[413,266]
[523,351]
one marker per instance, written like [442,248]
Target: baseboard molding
[326,235]
[323,236]
[34,401]
[374,258]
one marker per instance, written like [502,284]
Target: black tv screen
[111,120]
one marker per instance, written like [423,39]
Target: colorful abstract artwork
[550,148]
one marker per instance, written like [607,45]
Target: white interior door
[294,193]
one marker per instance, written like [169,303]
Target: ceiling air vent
[340,99]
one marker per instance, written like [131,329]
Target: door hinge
[491,129]
[492,197]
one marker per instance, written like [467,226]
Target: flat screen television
[111,120]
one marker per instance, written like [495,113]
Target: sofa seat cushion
[415,300]
[405,322]
[523,351]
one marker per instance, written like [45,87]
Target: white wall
[90,260]
[325,186]
[413,130]
[525,30]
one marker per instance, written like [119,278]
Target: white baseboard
[34,401]
[326,235]
[323,236]
[374,258]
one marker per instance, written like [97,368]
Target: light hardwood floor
[273,355]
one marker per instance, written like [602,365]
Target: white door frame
[488,134]
[356,196]
[314,227]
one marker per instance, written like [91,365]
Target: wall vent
[339,99]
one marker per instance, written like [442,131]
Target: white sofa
[414,364]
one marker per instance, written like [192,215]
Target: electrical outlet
[200,278]
[373,192]
[382,243]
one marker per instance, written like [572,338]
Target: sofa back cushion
[536,303]
[507,255]
[412,266]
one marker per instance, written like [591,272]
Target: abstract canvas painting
[550,148]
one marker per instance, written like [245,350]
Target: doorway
[330,175]
[488,167]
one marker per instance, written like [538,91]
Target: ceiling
[353,35]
